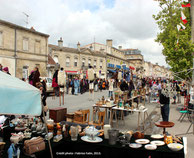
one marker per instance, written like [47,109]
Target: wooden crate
[58,114]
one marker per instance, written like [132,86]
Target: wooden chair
[100,121]
[82,117]
[135,97]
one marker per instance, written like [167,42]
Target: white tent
[18,97]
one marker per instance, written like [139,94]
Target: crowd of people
[161,89]
[77,85]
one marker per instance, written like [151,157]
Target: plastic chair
[184,113]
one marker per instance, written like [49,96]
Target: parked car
[48,84]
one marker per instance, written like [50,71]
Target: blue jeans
[109,93]
[165,110]
[76,90]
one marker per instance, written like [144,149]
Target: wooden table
[164,125]
[96,107]
[138,97]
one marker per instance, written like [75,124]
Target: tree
[177,45]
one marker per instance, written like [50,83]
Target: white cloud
[129,23]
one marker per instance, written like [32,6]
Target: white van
[48,84]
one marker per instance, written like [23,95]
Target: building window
[37,47]
[25,44]
[89,62]
[101,63]
[67,61]
[56,59]
[83,61]
[1,39]
[25,72]
[75,62]
[95,61]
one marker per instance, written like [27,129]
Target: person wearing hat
[6,70]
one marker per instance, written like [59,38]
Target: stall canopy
[18,97]
[72,72]
[131,67]
[113,71]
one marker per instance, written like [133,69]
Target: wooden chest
[58,114]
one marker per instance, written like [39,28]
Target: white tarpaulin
[18,97]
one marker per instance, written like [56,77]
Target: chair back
[101,117]
[86,115]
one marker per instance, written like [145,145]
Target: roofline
[22,28]
[94,53]
[92,44]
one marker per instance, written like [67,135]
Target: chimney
[60,42]
[120,47]
[78,46]
[109,42]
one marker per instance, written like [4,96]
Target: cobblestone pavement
[73,103]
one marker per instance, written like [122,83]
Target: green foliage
[178,56]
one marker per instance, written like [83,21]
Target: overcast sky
[128,23]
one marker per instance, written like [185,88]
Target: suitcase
[58,114]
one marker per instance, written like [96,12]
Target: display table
[79,148]
[107,108]
[140,114]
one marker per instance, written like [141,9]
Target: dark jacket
[124,86]
[36,77]
[163,99]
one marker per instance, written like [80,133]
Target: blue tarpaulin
[118,66]
[113,71]
[18,97]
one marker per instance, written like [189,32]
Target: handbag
[34,145]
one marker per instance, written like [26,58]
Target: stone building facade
[21,49]
[76,61]
[156,71]
[115,58]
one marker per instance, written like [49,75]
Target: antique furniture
[58,114]
[164,125]
[100,119]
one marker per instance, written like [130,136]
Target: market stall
[73,139]
[20,102]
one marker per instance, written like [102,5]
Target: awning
[110,65]
[72,72]
[118,66]
[113,71]
[131,67]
